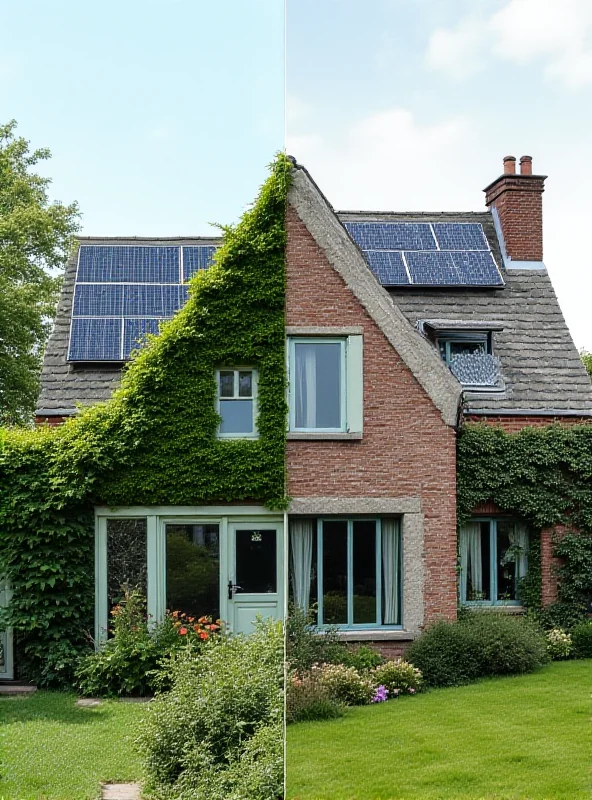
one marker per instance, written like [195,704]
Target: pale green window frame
[254,434]
[351,388]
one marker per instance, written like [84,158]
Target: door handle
[232,588]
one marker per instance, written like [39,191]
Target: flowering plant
[192,628]
[559,644]
[381,694]
[399,677]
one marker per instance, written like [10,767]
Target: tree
[36,236]
[587,361]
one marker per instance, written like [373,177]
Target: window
[493,557]
[326,384]
[453,345]
[349,568]
[470,358]
[237,392]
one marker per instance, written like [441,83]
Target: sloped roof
[64,385]
[541,369]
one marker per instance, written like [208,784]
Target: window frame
[350,625]
[493,559]
[446,338]
[254,434]
[343,385]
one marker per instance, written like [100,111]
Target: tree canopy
[35,241]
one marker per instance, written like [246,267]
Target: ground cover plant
[51,749]
[218,732]
[525,736]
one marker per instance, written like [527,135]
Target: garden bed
[517,737]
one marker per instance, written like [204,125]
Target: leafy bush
[308,699]
[224,707]
[129,662]
[345,684]
[307,644]
[561,615]
[398,677]
[478,645]
[582,639]
[363,658]
[559,644]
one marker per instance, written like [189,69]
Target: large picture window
[349,569]
[493,558]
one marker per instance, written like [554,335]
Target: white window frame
[254,434]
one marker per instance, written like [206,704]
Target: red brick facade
[406,451]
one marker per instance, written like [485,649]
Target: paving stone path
[120,791]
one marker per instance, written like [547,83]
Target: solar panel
[460,236]
[196,258]
[128,264]
[387,266]
[152,300]
[95,340]
[432,269]
[391,235]
[98,300]
[133,332]
[477,269]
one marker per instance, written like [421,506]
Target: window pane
[227,384]
[392,594]
[126,557]
[193,569]
[317,375]
[237,416]
[364,568]
[456,348]
[476,561]
[256,567]
[507,554]
[335,573]
[245,384]
[303,564]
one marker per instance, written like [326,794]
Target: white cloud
[388,161]
[558,32]
[297,109]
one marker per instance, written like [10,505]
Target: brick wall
[519,203]
[407,450]
[514,424]
[50,420]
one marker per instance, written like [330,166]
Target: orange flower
[202,620]
[182,631]
[175,614]
[213,627]
[203,635]
[191,619]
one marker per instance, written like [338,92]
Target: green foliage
[478,645]
[345,684]
[307,644]
[363,658]
[581,636]
[35,239]
[309,699]
[587,361]
[399,677]
[559,644]
[222,707]
[575,573]
[154,442]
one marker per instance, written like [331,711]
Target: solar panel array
[122,293]
[427,253]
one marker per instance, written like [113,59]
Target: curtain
[391,556]
[521,542]
[301,543]
[306,385]
[470,558]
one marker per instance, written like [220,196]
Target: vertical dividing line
[378,543]
[350,572]
[320,571]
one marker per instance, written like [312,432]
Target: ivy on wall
[543,475]
[154,442]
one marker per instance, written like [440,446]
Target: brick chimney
[518,200]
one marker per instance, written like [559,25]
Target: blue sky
[412,105]
[161,116]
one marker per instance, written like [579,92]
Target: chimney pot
[509,165]
[526,165]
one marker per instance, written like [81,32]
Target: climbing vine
[154,442]
[544,475]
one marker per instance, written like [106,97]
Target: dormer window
[467,348]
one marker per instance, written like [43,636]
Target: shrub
[398,677]
[308,699]
[223,707]
[362,658]
[345,684]
[561,615]
[582,639]
[559,644]
[478,645]
[133,661]
[307,644]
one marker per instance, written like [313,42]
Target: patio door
[255,574]
[6,660]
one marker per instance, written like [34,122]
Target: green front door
[255,585]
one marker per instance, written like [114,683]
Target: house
[399,327]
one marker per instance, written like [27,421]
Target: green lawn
[527,737]
[52,750]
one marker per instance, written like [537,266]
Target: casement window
[454,344]
[493,557]
[349,570]
[237,403]
[470,358]
[325,377]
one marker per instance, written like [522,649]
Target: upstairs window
[318,385]
[470,358]
[237,394]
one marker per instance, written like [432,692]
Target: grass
[526,737]
[52,750]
